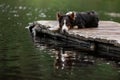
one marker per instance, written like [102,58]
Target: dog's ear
[72,15]
[58,16]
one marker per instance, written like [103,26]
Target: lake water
[21,59]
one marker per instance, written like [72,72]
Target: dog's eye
[68,24]
[61,24]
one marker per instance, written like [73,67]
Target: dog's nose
[64,31]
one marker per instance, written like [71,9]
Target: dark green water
[21,60]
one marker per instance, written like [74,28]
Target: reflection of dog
[80,19]
[64,59]
[68,59]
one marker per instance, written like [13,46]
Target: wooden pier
[104,40]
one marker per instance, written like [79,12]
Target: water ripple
[16,15]
[42,15]
[29,14]
[112,14]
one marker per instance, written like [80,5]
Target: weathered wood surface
[104,40]
[107,32]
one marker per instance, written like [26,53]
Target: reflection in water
[69,59]
[69,56]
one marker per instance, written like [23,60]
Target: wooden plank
[83,45]
[109,50]
[107,32]
[104,40]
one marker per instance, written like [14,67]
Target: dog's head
[65,21]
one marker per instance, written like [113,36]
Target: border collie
[80,19]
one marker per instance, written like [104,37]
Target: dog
[81,19]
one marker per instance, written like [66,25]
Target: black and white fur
[81,19]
